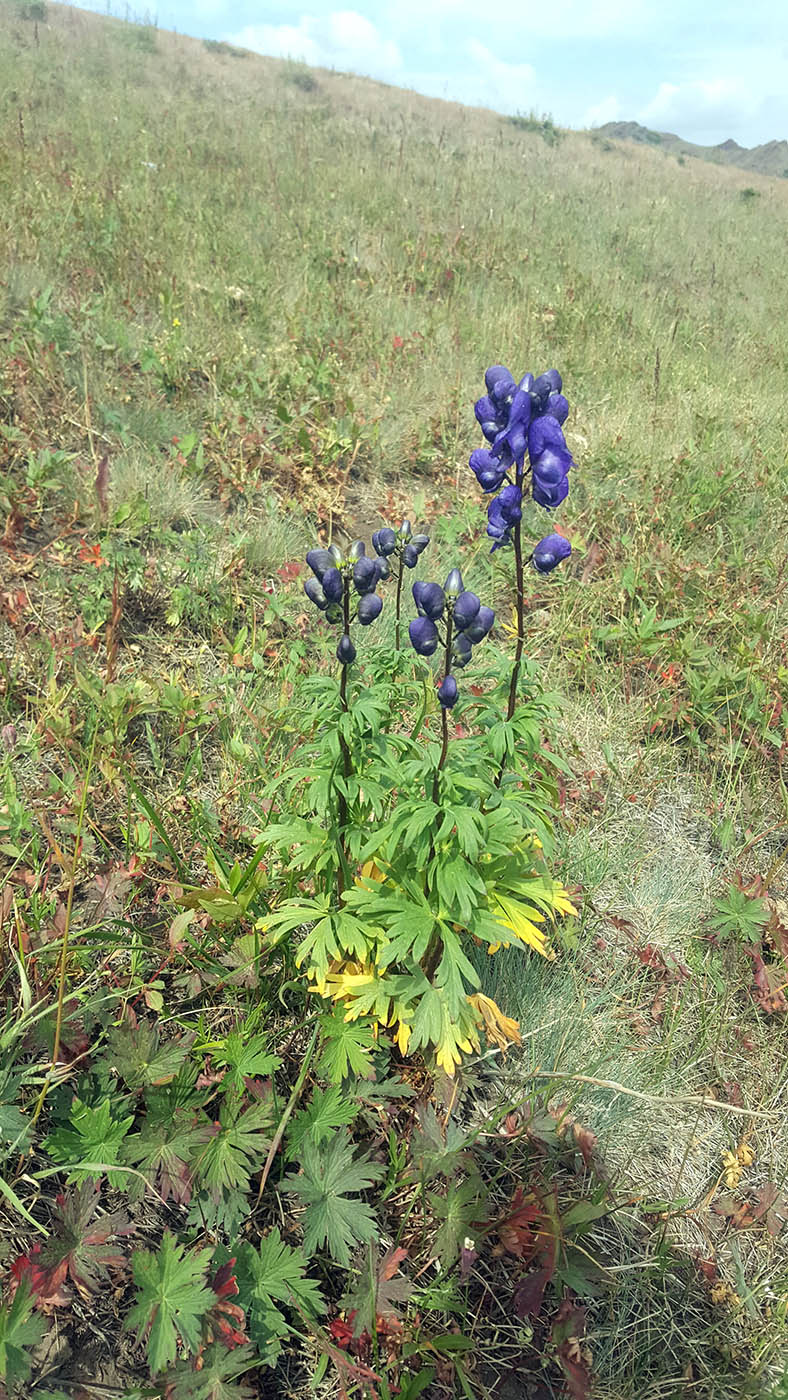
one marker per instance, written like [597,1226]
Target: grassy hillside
[771,158]
[245,305]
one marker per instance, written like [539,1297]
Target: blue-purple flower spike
[521,421]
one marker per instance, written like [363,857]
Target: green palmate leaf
[270,1278]
[172,1298]
[740,915]
[347,1047]
[330,1109]
[237,1147]
[163,1151]
[219,1376]
[335,1215]
[461,1212]
[20,1329]
[95,1137]
[245,1059]
[138,1056]
[459,886]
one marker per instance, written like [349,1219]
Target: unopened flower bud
[333,585]
[346,652]
[423,636]
[369,607]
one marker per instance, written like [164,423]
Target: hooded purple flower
[550,552]
[502,513]
[488,470]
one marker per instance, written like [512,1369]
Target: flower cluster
[465,622]
[343,588]
[519,419]
[401,542]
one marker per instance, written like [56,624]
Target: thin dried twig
[692,1100]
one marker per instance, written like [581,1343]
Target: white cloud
[702,110]
[608,110]
[507,87]
[344,39]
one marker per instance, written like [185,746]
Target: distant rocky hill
[769,159]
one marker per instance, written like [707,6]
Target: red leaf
[568,1331]
[529,1295]
[516,1231]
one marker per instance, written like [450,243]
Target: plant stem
[433,952]
[346,765]
[444,717]
[520,605]
[398,604]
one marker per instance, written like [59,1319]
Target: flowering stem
[520,604]
[444,715]
[432,955]
[346,765]
[398,605]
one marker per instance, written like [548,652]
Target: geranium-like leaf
[81,1246]
[328,1182]
[172,1298]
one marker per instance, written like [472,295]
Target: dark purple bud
[495,374]
[333,585]
[526,383]
[319,560]
[336,554]
[558,408]
[383,567]
[453,584]
[386,541]
[447,692]
[488,418]
[369,607]
[346,652]
[465,610]
[549,552]
[420,542]
[365,575]
[410,556]
[315,593]
[554,380]
[429,599]
[543,387]
[423,636]
[357,550]
[405,530]
[480,626]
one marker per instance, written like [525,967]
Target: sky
[705,69]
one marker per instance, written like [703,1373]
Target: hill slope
[769,159]
[244,302]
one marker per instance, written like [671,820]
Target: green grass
[266,296]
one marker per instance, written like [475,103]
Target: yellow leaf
[499,1029]
[521,920]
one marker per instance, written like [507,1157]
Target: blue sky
[707,69]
